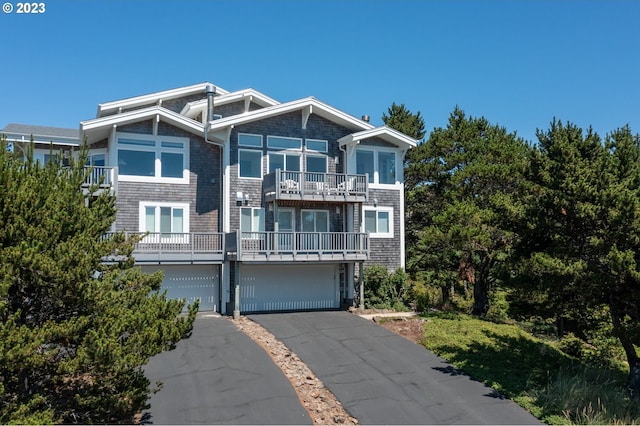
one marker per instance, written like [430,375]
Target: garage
[190,282]
[268,288]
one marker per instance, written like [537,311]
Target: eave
[385,133]
[192,109]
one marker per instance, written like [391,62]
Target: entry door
[286,227]
[315,225]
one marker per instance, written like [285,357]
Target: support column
[236,305]
[361,282]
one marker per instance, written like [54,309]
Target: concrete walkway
[220,376]
[383,378]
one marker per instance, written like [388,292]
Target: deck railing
[283,184]
[299,245]
[186,247]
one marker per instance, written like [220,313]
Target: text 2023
[30,8]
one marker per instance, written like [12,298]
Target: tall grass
[553,386]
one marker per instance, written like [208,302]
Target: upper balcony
[105,177]
[297,246]
[307,186]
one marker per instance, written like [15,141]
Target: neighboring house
[285,202]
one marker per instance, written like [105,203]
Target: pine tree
[400,118]
[75,331]
[580,229]
[454,180]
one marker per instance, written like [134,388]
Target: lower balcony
[106,179]
[204,247]
[297,246]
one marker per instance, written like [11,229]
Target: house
[246,203]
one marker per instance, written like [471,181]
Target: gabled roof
[192,109]
[99,128]
[41,134]
[113,107]
[307,106]
[385,133]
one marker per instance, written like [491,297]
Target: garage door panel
[190,282]
[288,288]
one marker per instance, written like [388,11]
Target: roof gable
[385,133]
[108,108]
[192,109]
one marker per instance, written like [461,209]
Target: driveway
[383,378]
[220,376]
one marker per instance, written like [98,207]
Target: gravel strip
[320,403]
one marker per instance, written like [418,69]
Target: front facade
[246,203]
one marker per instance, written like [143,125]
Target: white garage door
[190,282]
[266,288]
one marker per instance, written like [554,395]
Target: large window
[166,218]
[153,158]
[380,165]
[316,164]
[315,221]
[284,161]
[378,221]
[250,163]
[365,164]
[251,219]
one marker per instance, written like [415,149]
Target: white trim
[377,210]
[158,150]
[192,109]
[403,259]
[259,151]
[383,132]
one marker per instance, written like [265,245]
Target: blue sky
[518,63]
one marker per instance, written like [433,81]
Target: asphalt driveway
[220,376]
[383,378]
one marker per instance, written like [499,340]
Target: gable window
[145,158]
[316,145]
[386,167]
[250,163]
[245,139]
[279,142]
[251,219]
[378,221]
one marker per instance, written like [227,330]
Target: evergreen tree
[453,181]
[403,120]
[74,330]
[579,223]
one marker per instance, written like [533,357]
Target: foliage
[74,331]
[454,180]
[383,290]
[403,120]
[533,372]
[579,223]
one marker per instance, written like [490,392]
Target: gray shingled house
[241,198]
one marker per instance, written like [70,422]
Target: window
[284,161]
[364,164]
[316,164]
[245,139]
[380,165]
[316,145]
[165,218]
[386,167]
[250,163]
[145,158]
[378,221]
[97,160]
[315,221]
[251,219]
[278,142]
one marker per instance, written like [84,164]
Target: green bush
[383,290]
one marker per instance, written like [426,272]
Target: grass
[534,373]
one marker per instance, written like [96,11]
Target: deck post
[361,282]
